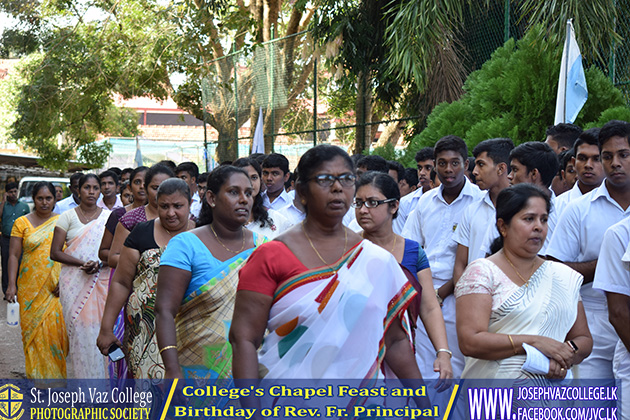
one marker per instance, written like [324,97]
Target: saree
[83,298]
[140,341]
[43,328]
[204,319]
[547,306]
[330,322]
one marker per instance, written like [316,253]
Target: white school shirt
[433,224]
[564,199]
[626,258]
[580,231]
[407,204]
[472,230]
[281,201]
[292,213]
[195,204]
[66,204]
[610,274]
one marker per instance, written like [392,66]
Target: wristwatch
[573,346]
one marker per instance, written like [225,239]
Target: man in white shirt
[73,200]
[189,172]
[109,198]
[613,277]
[560,138]
[432,225]
[294,211]
[588,166]
[578,236]
[491,172]
[275,172]
[424,161]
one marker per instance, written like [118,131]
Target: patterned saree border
[316,274]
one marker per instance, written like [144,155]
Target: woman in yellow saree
[43,328]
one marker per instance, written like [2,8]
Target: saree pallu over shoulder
[547,307]
[83,299]
[330,322]
[140,339]
[204,320]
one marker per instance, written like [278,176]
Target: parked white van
[28,182]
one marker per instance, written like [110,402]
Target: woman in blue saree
[198,278]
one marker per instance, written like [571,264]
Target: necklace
[85,217]
[391,251]
[225,247]
[345,244]
[526,282]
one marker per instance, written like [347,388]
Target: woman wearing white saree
[82,284]
[515,298]
[333,303]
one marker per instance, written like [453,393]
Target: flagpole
[566,68]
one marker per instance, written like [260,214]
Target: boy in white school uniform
[491,173]
[612,277]
[578,237]
[588,166]
[433,224]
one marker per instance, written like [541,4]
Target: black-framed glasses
[327,180]
[370,204]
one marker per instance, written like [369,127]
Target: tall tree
[137,45]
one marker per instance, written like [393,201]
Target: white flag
[572,91]
[138,158]
[259,138]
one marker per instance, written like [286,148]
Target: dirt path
[11,351]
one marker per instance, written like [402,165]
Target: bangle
[447,351]
[513,346]
[167,348]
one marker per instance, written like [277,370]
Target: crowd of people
[347,267]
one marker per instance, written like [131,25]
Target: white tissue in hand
[537,362]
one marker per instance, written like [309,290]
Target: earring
[212,205]
[303,201]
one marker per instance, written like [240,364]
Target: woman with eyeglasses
[319,290]
[376,206]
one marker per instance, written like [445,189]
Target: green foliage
[514,95]
[388,152]
[617,113]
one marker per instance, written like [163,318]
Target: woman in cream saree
[83,283]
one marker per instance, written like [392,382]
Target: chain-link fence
[286,79]
[619,64]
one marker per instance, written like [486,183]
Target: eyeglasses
[327,180]
[371,204]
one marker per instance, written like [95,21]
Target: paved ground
[11,351]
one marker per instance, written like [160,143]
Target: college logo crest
[10,402]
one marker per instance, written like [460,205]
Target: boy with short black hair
[409,182]
[109,198]
[275,172]
[433,224]
[477,226]
[588,168]
[424,160]
[189,172]
[578,237]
